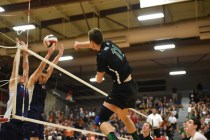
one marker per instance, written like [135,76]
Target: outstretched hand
[23,45]
[51,50]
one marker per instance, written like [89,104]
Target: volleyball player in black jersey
[12,130]
[111,60]
[36,87]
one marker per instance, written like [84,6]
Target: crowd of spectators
[81,118]
[167,107]
[199,108]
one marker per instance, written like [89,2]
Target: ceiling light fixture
[164,47]
[1,9]
[24,27]
[94,79]
[150,3]
[65,58]
[179,72]
[150,16]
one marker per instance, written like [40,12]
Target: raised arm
[12,81]
[33,78]
[55,61]
[80,45]
[25,62]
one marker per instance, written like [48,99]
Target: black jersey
[141,137]
[38,98]
[112,60]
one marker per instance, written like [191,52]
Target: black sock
[112,136]
[135,136]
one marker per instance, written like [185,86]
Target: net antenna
[29,9]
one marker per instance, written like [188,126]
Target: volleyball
[49,40]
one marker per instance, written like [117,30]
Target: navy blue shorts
[123,95]
[33,129]
[11,131]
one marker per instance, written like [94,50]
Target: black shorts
[123,95]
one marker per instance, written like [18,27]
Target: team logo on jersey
[106,48]
[43,87]
[107,43]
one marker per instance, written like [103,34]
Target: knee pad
[103,115]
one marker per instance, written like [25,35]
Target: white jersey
[10,104]
[30,93]
[198,136]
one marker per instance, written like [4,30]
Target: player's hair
[150,126]
[196,122]
[96,36]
